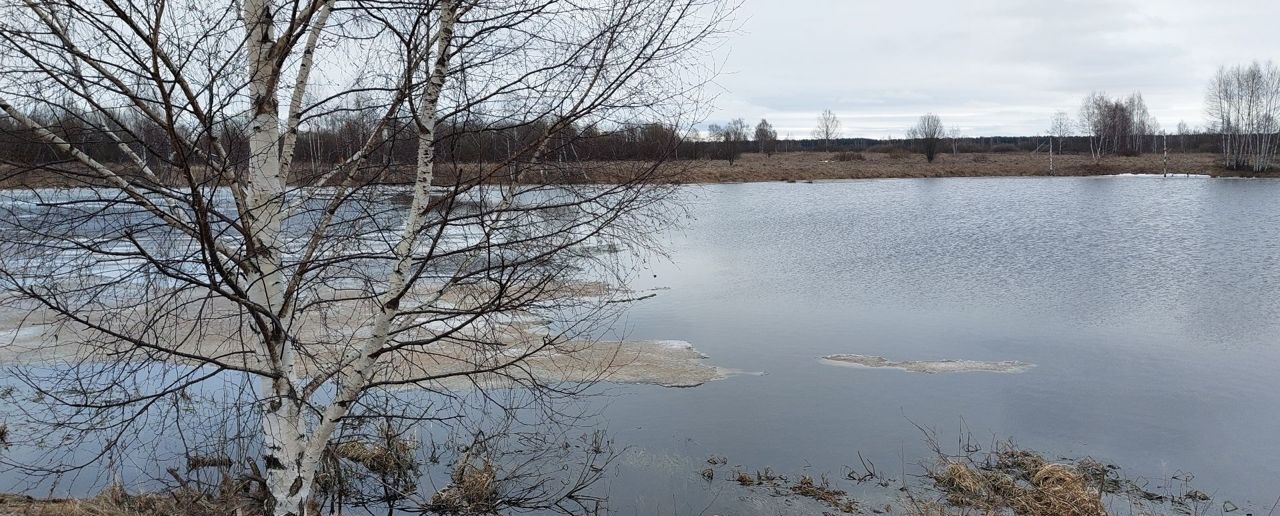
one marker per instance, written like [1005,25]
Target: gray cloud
[988,66]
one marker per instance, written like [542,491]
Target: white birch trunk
[263,214]
[292,484]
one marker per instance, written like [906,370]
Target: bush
[899,153]
[848,156]
[1004,147]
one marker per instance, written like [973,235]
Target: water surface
[1149,306]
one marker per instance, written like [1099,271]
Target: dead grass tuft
[195,462]
[1019,481]
[114,500]
[389,459]
[823,492]
[473,490]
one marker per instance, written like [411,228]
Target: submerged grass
[1050,488]
[116,501]
[473,489]
[1012,480]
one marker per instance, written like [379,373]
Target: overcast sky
[991,67]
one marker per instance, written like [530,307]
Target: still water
[1150,307]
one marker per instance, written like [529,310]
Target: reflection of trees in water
[209,295]
[411,450]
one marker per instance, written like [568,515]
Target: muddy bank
[927,366]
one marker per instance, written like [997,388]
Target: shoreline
[814,166]
[823,166]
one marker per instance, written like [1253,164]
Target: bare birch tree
[1114,126]
[213,257]
[1243,104]
[1093,124]
[828,129]
[954,135]
[1061,128]
[1184,130]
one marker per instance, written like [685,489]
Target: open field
[751,167]
[800,166]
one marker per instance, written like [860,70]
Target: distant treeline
[342,135]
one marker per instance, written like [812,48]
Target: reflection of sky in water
[1150,308]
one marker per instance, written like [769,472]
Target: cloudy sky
[991,67]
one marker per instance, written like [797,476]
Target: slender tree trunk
[309,450]
[263,191]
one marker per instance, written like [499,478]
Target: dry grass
[116,501]
[800,166]
[473,489]
[392,459]
[1051,489]
[820,490]
[1010,480]
[894,162]
[823,492]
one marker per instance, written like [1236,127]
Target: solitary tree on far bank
[766,138]
[828,129]
[731,136]
[928,133]
[1060,128]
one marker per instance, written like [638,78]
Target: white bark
[262,217]
[283,426]
[300,85]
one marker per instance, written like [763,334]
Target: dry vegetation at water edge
[803,166]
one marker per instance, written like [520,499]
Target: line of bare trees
[327,139]
[1243,104]
[1118,126]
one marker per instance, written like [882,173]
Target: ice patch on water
[674,344]
[1171,175]
[927,366]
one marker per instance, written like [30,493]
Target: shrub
[1004,147]
[899,153]
[848,156]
